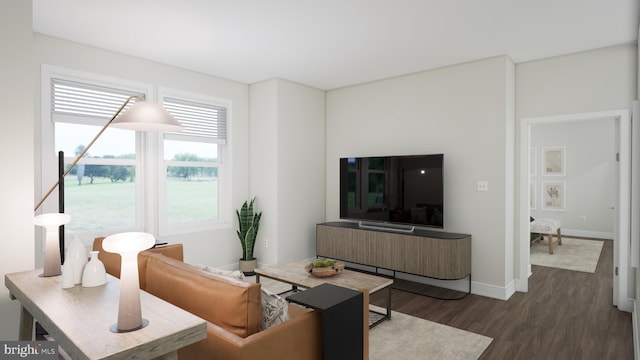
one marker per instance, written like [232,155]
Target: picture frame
[532,195]
[533,161]
[554,161]
[553,195]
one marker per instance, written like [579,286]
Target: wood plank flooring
[565,315]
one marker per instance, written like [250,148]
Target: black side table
[342,319]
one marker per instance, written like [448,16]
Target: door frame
[622,122]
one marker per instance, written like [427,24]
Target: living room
[286,138]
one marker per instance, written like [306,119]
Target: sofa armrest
[113,261]
[299,337]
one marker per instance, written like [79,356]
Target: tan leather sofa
[231,308]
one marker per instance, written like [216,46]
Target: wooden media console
[433,254]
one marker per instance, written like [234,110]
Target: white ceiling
[329,44]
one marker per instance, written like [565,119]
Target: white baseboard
[587,234]
[634,322]
[477,288]
[626,304]
[493,291]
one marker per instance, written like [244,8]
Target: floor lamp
[142,116]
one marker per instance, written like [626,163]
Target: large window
[100,192]
[115,186]
[192,163]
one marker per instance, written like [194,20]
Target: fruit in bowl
[324,267]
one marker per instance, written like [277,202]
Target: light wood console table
[434,254]
[79,319]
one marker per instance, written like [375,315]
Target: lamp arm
[77,159]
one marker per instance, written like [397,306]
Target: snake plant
[248,223]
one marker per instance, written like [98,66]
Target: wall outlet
[264,241]
[483,186]
[583,219]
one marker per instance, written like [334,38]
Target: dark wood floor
[565,315]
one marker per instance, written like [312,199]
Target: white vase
[77,256]
[67,275]
[94,273]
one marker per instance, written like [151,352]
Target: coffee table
[293,273]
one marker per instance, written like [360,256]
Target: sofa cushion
[231,304]
[238,275]
[274,309]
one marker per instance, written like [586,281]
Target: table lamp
[128,245]
[51,222]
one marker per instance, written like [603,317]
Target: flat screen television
[406,189]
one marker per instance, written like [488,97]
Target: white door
[616,220]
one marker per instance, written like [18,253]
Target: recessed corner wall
[287,150]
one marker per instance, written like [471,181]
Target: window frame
[47,155]
[223,164]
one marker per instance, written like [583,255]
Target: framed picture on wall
[533,161]
[554,161]
[532,195]
[553,195]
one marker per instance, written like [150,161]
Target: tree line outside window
[125,173]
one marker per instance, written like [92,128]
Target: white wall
[263,165]
[460,111]
[591,81]
[589,181]
[301,165]
[219,247]
[16,144]
[287,149]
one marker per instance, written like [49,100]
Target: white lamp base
[114,327]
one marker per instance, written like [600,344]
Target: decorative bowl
[326,271]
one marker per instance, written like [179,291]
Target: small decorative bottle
[67,275]
[94,273]
[77,256]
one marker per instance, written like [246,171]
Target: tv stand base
[459,294]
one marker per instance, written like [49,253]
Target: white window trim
[46,155]
[224,172]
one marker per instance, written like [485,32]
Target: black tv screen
[394,189]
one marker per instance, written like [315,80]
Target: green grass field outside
[105,205]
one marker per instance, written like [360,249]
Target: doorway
[622,204]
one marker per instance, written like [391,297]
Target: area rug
[407,337]
[573,254]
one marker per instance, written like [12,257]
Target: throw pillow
[238,275]
[274,309]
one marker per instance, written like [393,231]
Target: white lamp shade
[51,222]
[128,242]
[147,116]
[51,219]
